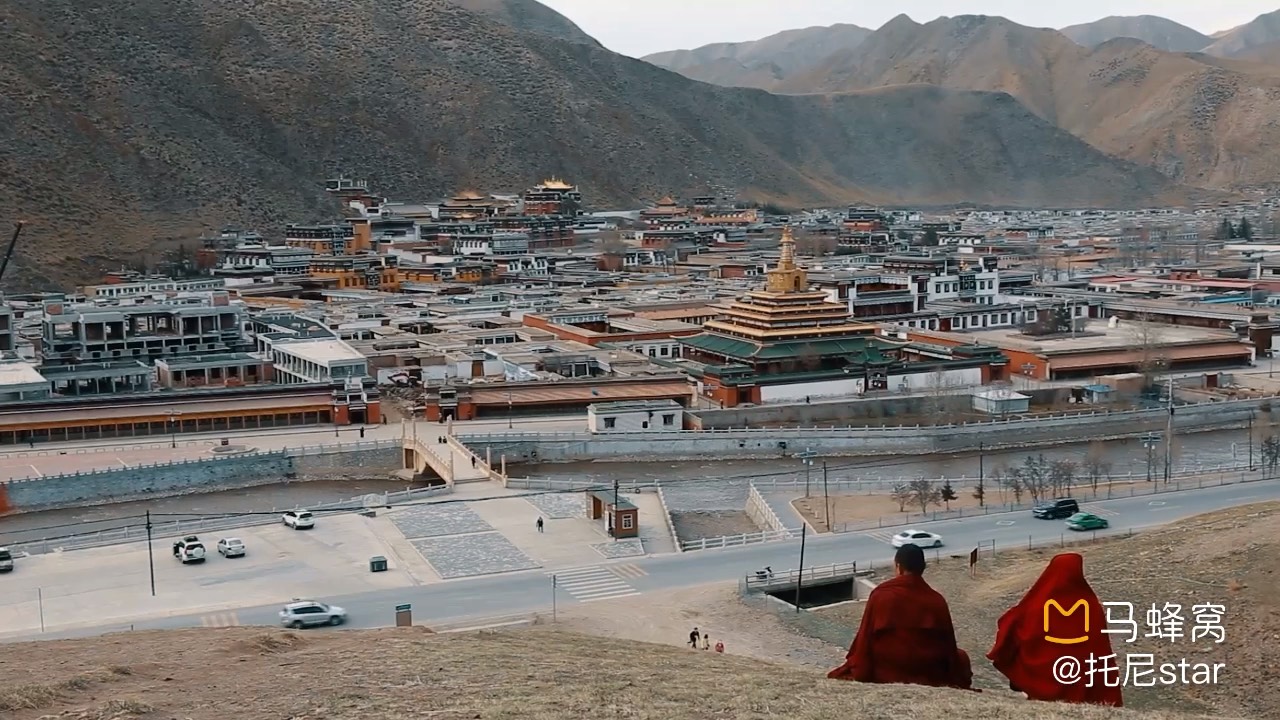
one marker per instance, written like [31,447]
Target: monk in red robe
[1052,608]
[906,635]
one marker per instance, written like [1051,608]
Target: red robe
[906,636]
[1027,659]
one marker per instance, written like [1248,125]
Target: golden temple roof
[556,184]
[469,195]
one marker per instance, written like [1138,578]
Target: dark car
[1056,509]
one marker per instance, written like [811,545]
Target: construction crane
[13,243]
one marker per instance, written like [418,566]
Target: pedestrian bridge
[444,455]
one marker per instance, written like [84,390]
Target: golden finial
[788,259]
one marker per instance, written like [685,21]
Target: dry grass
[534,674]
[36,694]
[1227,557]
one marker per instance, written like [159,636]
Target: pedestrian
[362,431]
[693,639]
[539,524]
[473,461]
[706,641]
[719,647]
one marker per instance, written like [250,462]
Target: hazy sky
[640,27]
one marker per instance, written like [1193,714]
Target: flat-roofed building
[19,380]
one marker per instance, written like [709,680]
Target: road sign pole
[553,599]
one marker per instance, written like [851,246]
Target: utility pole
[151,558]
[804,531]
[807,458]
[1149,442]
[1168,438]
[1251,440]
[982,491]
[613,520]
[826,497]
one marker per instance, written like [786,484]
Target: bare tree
[1013,481]
[1062,475]
[1095,464]
[901,494]
[924,494]
[938,389]
[1270,454]
[1034,472]
[1147,336]
[613,246]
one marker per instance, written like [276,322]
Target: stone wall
[780,442]
[195,476]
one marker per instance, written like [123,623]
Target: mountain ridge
[1156,31]
[126,130]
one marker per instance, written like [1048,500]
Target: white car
[231,547]
[309,613]
[298,519]
[919,538]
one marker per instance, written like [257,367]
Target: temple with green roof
[790,343]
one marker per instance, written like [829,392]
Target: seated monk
[906,635]
[1023,654]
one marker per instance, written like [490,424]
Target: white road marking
[593,583]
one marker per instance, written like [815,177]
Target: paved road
[528,592]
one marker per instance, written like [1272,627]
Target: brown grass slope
[122,126]
[1229,557]
[765,62]
[1262,30]
[398,674]
[1201,120]
[1155,31]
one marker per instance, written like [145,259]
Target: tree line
[1036,477]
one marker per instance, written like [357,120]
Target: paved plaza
[560,506]
[437,520]
[457,556]
[631,547]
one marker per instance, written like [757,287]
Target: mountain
[1262,30]
[126,128]
[1201,120]
[1155,31]
[530,16]
[761,63]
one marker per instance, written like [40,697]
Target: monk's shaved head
[910,558]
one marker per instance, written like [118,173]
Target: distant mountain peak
[1156,31]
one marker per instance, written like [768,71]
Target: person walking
[706,641]
[539,524]
[473,462]
[362,431]
[693,638]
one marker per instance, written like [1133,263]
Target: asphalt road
[527,592]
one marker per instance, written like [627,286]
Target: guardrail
[725,541]
[758,582]
[187,526]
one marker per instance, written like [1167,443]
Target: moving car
[299,519]
[1086,521]
[231,547]
[6,560]
[1056,509]
[309,613]
[189,550]
[919,538]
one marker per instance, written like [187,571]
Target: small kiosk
[621,515]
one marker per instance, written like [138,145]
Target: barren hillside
[129,126]
[1262,30]
[765,62]
[1201,120]
[405,673]
[1155,31]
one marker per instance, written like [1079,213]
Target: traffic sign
[403,608]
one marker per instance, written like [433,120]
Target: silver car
[309,613]
[231,547]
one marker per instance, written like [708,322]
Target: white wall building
[641,416]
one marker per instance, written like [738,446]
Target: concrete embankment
[870,441]
[197,476]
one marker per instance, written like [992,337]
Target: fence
[759,511]
[726,541]
[177,528]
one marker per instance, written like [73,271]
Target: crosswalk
[227,619]
[591,584]
[1096,509]
[886,537]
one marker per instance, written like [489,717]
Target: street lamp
[508,409]
[173,429]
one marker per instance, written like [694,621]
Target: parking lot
[65,590]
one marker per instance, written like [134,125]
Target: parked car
[1086,521]
[231,547]
[299,519]
[919,538]
[6,560]
[1056,509]
[189,550]
[309,613]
